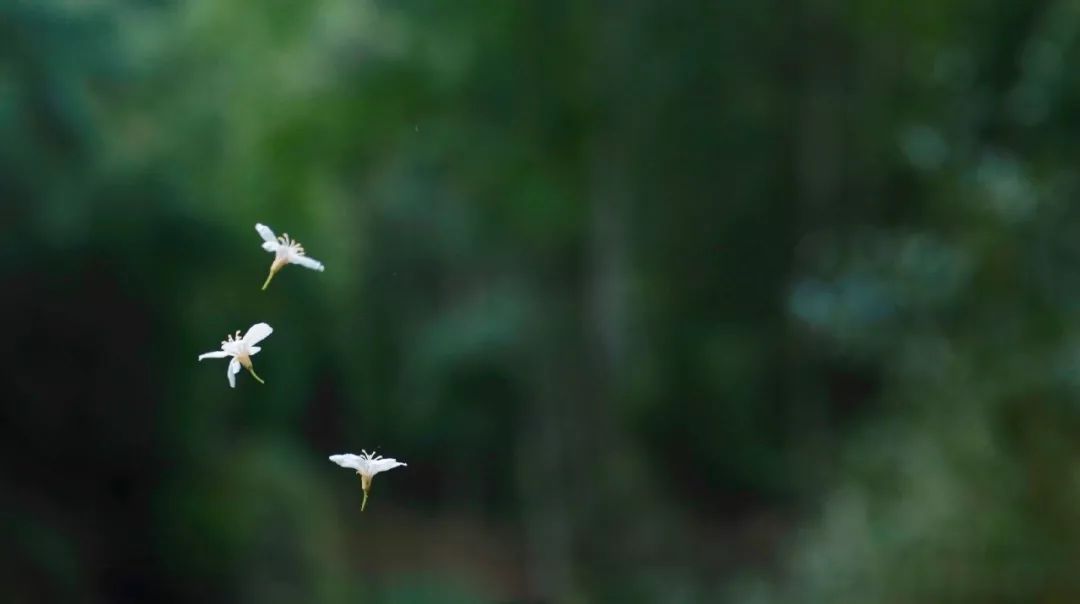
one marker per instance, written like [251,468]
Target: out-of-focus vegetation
[702,301]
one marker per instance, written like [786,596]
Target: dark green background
[748,301]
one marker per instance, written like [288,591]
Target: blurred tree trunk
[573,443]
[817,143]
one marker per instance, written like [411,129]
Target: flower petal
[253,350]
[382,465]
[348,460]
[270,246]
[307,262]
[257,333]
[231,371]
[217,354]
[265,232]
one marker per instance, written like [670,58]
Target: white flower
[286,251]
[367,466]
[241,350]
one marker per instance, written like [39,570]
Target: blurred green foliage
[661,302]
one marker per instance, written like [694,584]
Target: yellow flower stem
[251,370]
[268,278]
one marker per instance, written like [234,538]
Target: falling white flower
[286,251]
[367,466]
[241,350]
